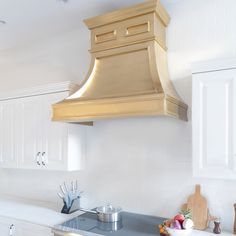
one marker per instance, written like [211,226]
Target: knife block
[75,206]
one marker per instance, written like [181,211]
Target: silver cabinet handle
[38,158]
[43,159]
[11,230]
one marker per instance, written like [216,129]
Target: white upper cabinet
[8,134]
[30,132]
[30,140]
[214,119]
[60,140]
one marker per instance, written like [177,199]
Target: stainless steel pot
[109,213]
[106,213]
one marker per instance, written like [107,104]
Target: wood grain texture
[197,204]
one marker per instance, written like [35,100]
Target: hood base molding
[128,75]
[145,105]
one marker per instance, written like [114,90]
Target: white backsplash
[141,164]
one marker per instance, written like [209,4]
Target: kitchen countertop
[35,212]
[41,213]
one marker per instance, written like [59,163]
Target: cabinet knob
[43,159]
[37,158]
[11,230]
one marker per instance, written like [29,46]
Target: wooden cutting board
[197,204]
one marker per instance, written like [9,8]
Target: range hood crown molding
[128,75]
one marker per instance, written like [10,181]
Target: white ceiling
[30,20]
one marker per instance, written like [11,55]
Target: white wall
[142,164]
[63,57]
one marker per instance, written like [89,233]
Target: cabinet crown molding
[39,90]
[213,65]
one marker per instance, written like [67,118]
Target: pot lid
[108,209]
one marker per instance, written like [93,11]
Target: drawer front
[58,232]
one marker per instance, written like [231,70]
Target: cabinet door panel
[233,128]
[30,132]
[8,127]
[213,136]
[4,229]
[5,224]
[55,135]
[22,228]
[1,133]
[29,232]
[30,140]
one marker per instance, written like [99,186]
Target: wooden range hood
[128,75]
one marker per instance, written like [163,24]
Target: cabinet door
[20,231]
[4,229]
[214,120]
[8,136]
[1,133]
[30,129]
[55,134]
[22,228]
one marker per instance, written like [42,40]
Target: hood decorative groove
[128,75]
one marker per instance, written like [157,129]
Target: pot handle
[87,211]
